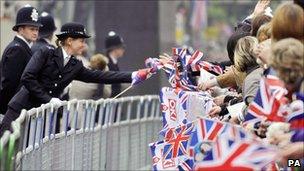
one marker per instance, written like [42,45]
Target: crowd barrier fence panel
[106,134]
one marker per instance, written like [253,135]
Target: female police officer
[50,70]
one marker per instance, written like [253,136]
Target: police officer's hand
[141,75]
[56,102]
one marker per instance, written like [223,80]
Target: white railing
[88,135]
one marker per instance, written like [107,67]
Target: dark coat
[14,59]
[45,77]
[41,42]
[116,88]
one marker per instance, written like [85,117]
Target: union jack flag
[158,161]
[205,130]
[177,144]
[180,107]
[172,113]
[182,58]
[177,67]
[186,165]
[243,154]
[209,130]
[236,132]
[196,63]
[268,102]
[171,153]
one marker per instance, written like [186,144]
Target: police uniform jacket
[41,42]
[116,88]
[14,59]
[45,77]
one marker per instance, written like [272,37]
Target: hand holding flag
[141,75]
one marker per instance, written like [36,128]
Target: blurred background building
[149,28]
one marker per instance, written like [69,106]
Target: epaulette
[17,44]
[50,47]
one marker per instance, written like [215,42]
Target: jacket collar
[59,60]
[24,44]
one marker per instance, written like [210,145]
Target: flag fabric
[186,165]
[212,68]
[181,107]
[181,57]
[172,115]
[196,63]
[171,153]
[181,62]
[244,154]
[194,60]
[268,103]
[207,130]
[177,141]
[158,161]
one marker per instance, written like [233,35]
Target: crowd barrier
[108,134]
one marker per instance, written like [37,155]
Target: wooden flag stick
[122,92]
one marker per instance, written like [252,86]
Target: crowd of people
[265,45]
[262,86]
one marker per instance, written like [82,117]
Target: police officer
[50,70]
[17,54]
[115,49]
[46,32]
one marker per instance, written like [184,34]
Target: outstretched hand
[260,7]
[165,58]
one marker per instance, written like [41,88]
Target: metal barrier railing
[87,135]
[10,144]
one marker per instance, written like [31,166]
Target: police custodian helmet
[27,15]
[113,40]
[48,24]
[74,30]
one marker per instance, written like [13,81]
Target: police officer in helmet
[17,54]
[46,32]
[115,49]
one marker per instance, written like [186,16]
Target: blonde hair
[243,55]
[264,32]
[288,59]
[99,61]
[288,21]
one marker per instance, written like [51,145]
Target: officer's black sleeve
[13,66]
[30,74]
[105,77]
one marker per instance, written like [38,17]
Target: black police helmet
[27,16]
[48,25]
[113,40]
[72,29]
